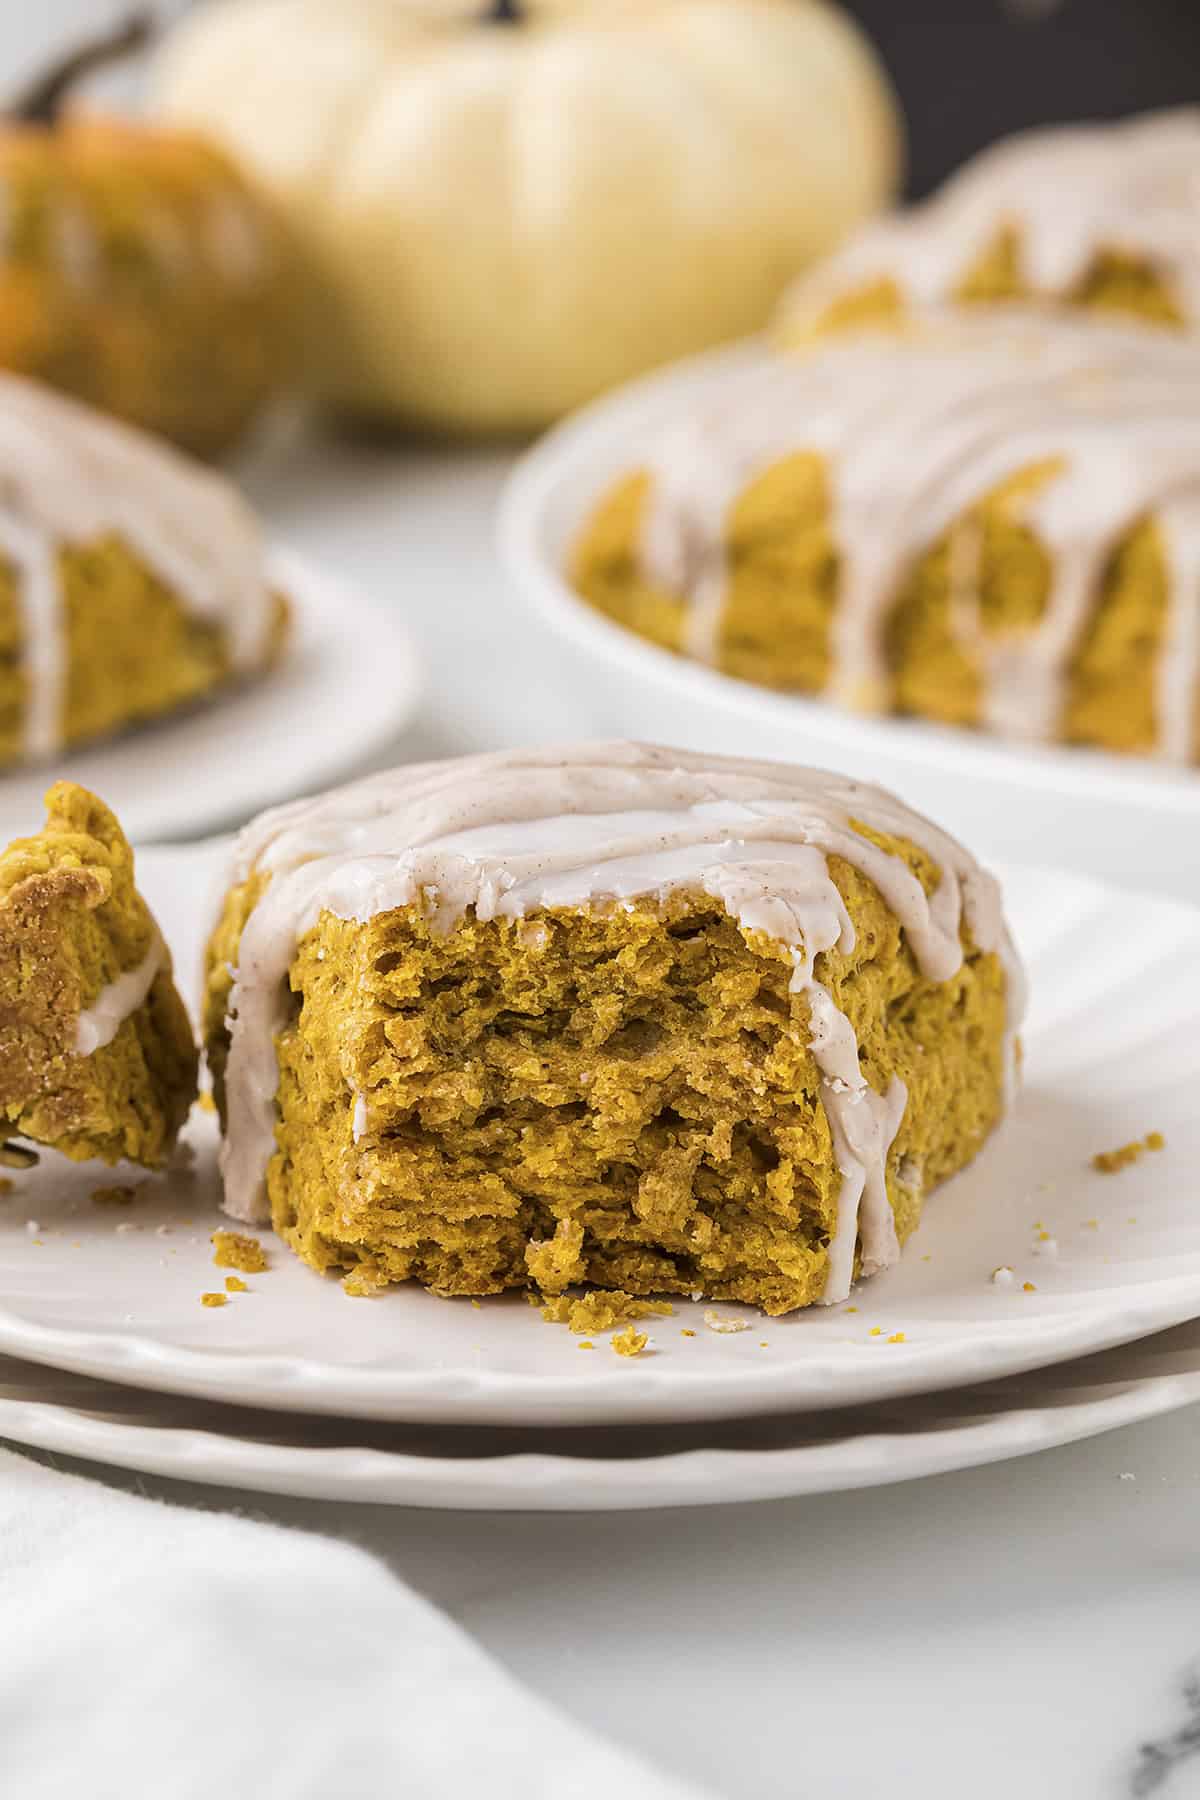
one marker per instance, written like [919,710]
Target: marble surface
[1028,1629]
[1031,1628]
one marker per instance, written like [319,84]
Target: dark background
[970,70]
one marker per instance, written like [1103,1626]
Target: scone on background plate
[990,519]
[1100,218]
[133,581]
[97,1054]
[611,1014]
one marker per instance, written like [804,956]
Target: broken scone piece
[97,1054]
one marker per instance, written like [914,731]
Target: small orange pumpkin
[139,270]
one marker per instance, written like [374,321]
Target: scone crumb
[1108,1162]
[686,1333]
[629,1342]
[233,1250]
[214,1299]
[585,1344]
[235,1285]
[716,1322]
[112,1196]
[897,1337]
[1027,1287]
[875,1331]
[362,1283]
[600,1311]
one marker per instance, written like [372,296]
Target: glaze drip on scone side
[916,428]
[1071,193]
[513,833]
[99,1023]
[70,477]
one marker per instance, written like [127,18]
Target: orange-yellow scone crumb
[364,1283]
[235,1285]
[629,1342]
[601,1311]
[214,1299]
[233,1250]
[1108,1162]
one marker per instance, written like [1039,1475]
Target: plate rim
[572,449]
[546,1481]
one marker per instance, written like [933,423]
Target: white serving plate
[1129,820]
[597,1469]
[344,689]
[1112,1051]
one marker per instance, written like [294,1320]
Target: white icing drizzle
[515,832]
[358,1122]
[1131,188]
[100,1022]
[69,477]
[916,428]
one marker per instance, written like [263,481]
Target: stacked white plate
[1041,1301]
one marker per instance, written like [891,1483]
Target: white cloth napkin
[148,1650]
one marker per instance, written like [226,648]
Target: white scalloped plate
[347,685]
[1119,818]
[1112,1051]
[599,1469]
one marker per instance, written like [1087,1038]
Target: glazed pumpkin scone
[133,582]
[97,1055]
[989,520]
[1099,218]
[610,1015]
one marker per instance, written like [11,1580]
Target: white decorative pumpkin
[508,210]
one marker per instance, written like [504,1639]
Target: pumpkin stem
[505,12]
[42,101]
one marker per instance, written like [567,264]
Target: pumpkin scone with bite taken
[612,1015]
[97,1054]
